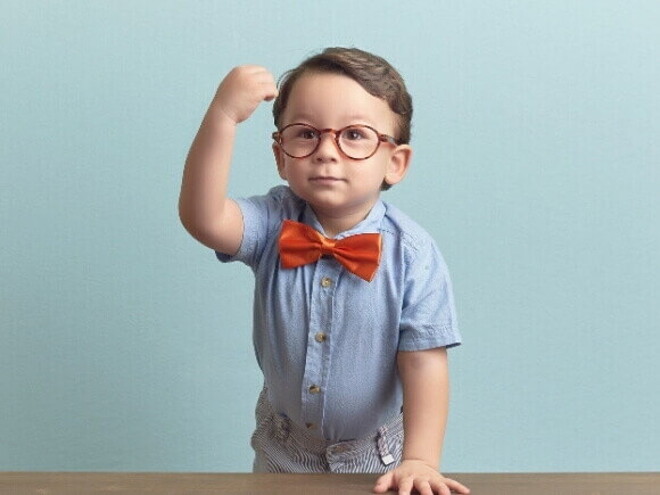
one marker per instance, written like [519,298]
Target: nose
[327,149]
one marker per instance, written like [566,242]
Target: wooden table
[28,483]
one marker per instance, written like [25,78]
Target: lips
[325,179]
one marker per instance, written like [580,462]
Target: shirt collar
[369,225]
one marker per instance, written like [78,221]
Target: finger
[406,485]
[424,487]
[384,483]
[255,74]
[440,488]
[262,75]
[455,486]
[267,86]
[253,69]
[270,91]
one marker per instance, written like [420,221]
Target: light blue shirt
[325,339]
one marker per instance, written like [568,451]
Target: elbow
[185,218]
[190,222]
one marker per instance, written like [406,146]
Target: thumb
[270,96]
[383,483]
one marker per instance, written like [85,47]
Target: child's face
[333,184]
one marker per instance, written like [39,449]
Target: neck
[334,225]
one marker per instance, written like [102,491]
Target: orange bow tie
[301,244]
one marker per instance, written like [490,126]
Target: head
[373,73]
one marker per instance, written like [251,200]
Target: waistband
[285,428]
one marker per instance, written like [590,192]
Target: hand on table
[417,475]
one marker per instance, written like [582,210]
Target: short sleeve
[262,218]
[428,318]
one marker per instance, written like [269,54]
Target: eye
[306,133]
[357,133]
[354,134]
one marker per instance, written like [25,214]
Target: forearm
[205,210]
[203,197]
[425,379]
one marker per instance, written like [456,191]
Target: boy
[353,307]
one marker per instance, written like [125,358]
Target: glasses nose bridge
[335,137]
[334,132]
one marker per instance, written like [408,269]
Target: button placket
[318,349]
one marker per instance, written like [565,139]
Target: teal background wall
[125,346]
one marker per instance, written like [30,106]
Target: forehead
[335,100]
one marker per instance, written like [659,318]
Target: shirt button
[320,337]
[314,389]
[326,282]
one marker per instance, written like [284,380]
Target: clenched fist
[242,90]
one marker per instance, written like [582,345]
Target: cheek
[372,172]
[291,172]
[283,167]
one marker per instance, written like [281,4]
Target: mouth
[325,179]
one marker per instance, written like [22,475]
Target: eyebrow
[350,119]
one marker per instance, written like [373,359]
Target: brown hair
[372,72]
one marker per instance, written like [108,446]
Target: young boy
[353,307]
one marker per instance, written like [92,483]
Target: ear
[279,160]
[399,163]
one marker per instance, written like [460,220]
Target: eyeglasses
[357,141]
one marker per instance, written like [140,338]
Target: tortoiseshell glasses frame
[355,141]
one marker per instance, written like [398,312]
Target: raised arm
[204,208]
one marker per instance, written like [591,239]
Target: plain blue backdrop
[125,346]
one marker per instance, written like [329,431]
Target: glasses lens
[299,140]
[358,141]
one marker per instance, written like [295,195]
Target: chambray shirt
[325,339]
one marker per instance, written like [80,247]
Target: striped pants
[281,446]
